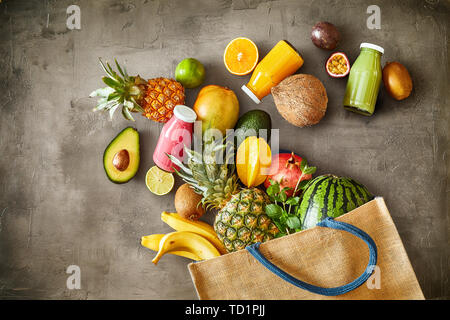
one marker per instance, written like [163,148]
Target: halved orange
[241,56]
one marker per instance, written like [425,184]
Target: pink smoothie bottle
[175,135]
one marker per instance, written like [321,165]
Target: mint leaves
[282,209]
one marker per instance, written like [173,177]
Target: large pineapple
[155,98]
[241,219]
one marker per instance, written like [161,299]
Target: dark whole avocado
[252,120]
[121,157]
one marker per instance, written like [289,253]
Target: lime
[158,181]
[190,73]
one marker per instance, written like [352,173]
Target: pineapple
[154,98]
[241,219]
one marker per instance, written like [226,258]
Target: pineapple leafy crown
[122,91]
[210,173]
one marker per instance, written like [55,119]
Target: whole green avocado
[250,124]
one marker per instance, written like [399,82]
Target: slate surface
[57,207]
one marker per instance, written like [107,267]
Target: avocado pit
[121,160]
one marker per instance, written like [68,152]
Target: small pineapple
[241,219]
[155,98]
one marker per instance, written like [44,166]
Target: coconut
[301,99]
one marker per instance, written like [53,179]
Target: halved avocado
[121,157]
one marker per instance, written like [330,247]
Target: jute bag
[334,260]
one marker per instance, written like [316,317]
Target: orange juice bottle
[282,61]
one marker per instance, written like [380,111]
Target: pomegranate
[285,169]
[338,65]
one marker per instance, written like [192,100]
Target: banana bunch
[194,240]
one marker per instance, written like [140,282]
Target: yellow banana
[186,241]
[202,228]
[152,242]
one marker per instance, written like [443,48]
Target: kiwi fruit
[188,203]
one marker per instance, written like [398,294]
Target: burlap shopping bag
[356,256]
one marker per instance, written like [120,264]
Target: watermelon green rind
[330,196]
[307,204]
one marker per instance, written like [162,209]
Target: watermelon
[330,196]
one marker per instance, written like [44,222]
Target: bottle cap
[250,94]
[184,113]
[372,46]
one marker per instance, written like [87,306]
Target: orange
[241,56]
[253,160]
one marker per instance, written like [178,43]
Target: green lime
[190,73]
[159,181]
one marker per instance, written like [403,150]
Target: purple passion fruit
[325,35]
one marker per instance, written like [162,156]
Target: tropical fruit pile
[256,193]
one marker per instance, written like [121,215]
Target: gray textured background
[57,207]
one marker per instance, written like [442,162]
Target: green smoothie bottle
[364,80]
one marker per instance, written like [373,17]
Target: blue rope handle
[327,223]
